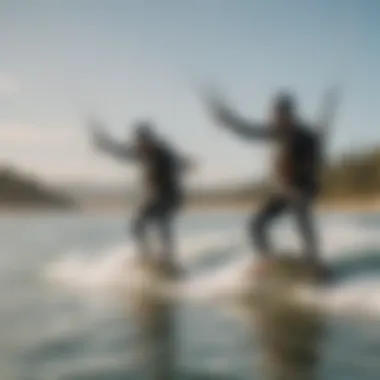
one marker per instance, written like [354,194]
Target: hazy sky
[123,60]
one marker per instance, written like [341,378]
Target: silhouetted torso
[299,158]
[161,169]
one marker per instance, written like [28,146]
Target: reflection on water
[290,332]
[158,341]
[156,322]
[291,342]
[70,333]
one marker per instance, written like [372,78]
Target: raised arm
[330,105]
[224,116]
[176,159]
[185,164]
[106,144]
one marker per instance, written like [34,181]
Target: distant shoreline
[372,204]
[352,206]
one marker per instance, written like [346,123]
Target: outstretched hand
[187,164]
[331,102]
[217,106]
[98,133]
[191,164]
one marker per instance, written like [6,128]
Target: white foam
[358,298]
[111,269]
[104,269]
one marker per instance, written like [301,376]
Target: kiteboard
[151,279]
[284,279]
[291,328]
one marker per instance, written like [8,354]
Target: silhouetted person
[296,179]
[161,191]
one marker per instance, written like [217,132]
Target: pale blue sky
[131,59]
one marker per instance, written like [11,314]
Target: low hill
[352,177]
[355,175]
[18,191]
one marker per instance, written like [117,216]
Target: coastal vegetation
[18,190]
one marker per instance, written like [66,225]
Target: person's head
[284,111]
[144,135]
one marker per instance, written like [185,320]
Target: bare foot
[169,268]
[323,272]
[320,270]
[144,262]
[259,268]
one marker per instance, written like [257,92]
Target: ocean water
[67,311]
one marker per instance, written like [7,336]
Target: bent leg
[305,221]
[259,224]
[140,228]
[165,224]
[165,227]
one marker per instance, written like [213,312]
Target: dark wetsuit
[297,173]
[162,169]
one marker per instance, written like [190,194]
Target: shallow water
[60,319]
